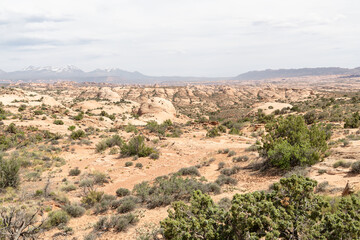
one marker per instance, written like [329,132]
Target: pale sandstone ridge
[158,109]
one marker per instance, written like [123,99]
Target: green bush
[214,132]
[79,117]
[167,189]
[9,173]
[223,179]
[127,205]
[291,143]
[290,211]
[74,172]
[139,165]
[136,146]
[231,154]
[131,128]
[128,164]
[310,117]
[353,121]
[230,171]
[189,171]
[77,134]
[58,217]
[240,159]
[68,188]
[221,165]
[74,210]
[341,163]
[121,192]
[91,198]
[58,122]
[117,222]
[154,156]
[355,167]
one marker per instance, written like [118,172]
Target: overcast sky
[180,37]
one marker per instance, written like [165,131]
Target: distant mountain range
[300,72]
[116,75]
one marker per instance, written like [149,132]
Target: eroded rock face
[157,105]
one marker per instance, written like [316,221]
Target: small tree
[353,121]
[9,173]
[136,146]
[203,219]
[290,142]
[17,223]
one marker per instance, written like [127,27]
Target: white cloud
[188,37]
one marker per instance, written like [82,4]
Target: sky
[214,38]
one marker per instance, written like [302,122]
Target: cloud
[28,42]
[43,19]
[159,37]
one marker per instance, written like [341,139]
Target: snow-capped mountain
[73,73]
[68,68]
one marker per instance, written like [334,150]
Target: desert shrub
[353,121]
[213,132]
[104,204]
[71,128]
[9,173]
[240,159]
[91,236]
[121,192]
[221,165]
[87,183]
[77,134]
[101,146]
[115,140]
[74,172]
[154,156]
[355,167]
[231,154]
[167,189]
[225,203]
[79,117]
[139,165]
[222,128]
[298,171]
[113,151]
[68,188]
[91,198]
[341,163]
[128,164]
[230,171]
[346,143]
[223,179]
[310,117]
[74,210]
[291,143]
[127,205]
[189,171]
[131,128]
[58,122]
[234,131]
[117,222]
[136,146]
[252,148]
[321,187]
[58,217]
[214,188]
[99,177]
[225,151]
